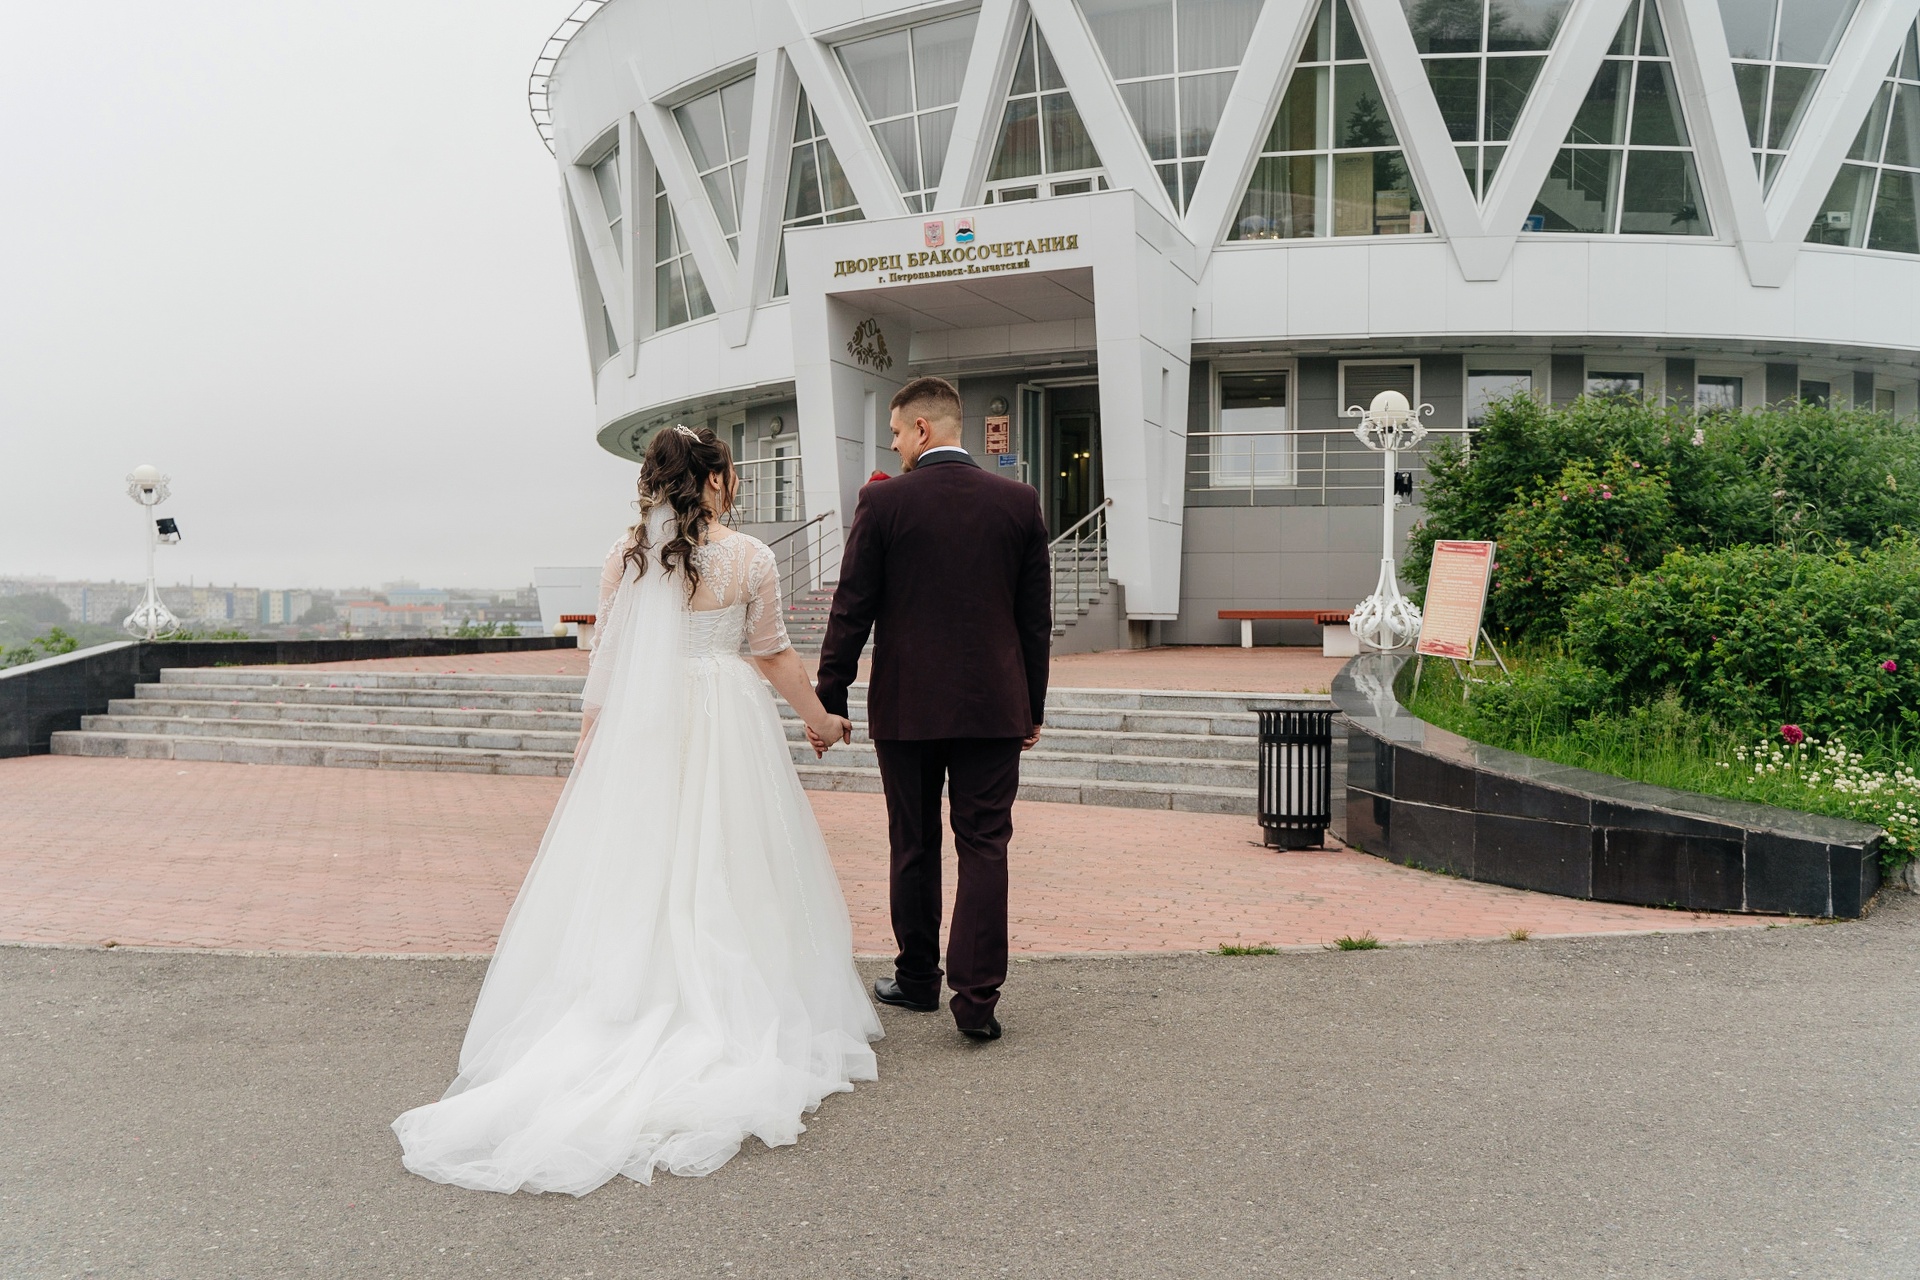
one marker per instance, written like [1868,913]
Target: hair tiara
[687,431]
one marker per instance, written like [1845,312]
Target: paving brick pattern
[1264,670]
[259,857]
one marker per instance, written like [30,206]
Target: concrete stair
[806,619]
[1124,748]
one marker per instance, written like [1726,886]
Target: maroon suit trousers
[981,776]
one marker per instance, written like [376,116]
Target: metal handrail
[1089,532]
[540,80]
[769,493]
[808,558]
[1313,460]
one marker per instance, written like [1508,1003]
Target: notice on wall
[1456,598]
[1000,434]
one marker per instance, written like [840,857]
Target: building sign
[1000,434]
[1456,598]
[868,346]
[968,256]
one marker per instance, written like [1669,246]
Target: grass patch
[1519,935]
[1365,942]
[1665,743]
[1257,949]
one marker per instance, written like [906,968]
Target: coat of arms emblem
[963,231]
[935,232]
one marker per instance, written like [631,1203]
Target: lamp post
[150,619]
[1386,619]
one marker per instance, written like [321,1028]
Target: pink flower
[1889,665]
[1793,734]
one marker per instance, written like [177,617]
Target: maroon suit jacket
[947,566]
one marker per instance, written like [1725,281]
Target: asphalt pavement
[1738,1104]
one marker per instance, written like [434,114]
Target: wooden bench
[1247,617]
[586,622]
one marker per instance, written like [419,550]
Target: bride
[677,972]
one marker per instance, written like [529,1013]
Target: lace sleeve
[766,621]
[611,571]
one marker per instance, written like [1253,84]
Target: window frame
[1539,374]
[1285,366]
[1340,407]
[741,220]
[1625,149]
[1325,156]
[926,195]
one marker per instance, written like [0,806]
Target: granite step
[1136,748]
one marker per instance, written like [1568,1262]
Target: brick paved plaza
[257,857]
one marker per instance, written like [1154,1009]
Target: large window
[1174,61]
[1252,446]
[1044,148]
[1332,163]
[1482,57]
[716,126]
[1627,166]
[1486,387]
[817,188]
[907,83]
[606,176]
[1875,198]
[1780,48]
[679,294]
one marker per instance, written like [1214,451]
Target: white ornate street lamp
[150,619]
[1386,619]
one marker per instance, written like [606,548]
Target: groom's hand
[840,730]
[1026,743]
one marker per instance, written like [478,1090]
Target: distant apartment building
[226,604]
[405,596]
[284,608]
[104,603]
[392,619]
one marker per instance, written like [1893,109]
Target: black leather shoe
[887,991]
[989,1032]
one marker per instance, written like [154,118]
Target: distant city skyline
[308,260]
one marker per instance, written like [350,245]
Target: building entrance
[1060,431]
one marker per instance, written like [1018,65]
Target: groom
[947,565]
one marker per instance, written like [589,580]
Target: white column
[1143,299]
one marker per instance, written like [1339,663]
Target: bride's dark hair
[674,474]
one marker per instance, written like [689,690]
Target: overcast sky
[307,258]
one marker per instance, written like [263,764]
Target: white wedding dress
[677,972]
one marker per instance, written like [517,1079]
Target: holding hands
[828,730]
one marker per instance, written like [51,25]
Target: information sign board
[1456,599]
[1000,433]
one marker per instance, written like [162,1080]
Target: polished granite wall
[1421,796]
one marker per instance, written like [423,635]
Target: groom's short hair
[934,399]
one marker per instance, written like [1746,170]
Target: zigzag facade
[1167,247]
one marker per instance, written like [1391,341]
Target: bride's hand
[828,731]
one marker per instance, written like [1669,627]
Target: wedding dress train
[677,971]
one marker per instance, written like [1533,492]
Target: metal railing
[1077,560]
[1320,461]
[808,558]
[769,491]
[540,80]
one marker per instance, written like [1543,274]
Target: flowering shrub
[1588,527]
[1796,475]
[1764,635]
[1825,775]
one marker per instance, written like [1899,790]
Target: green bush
[1586,528]
[55,641]
[1799,475]
[1758,636]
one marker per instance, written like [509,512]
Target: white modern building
[1165,247]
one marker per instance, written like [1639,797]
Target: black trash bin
[1296,777]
